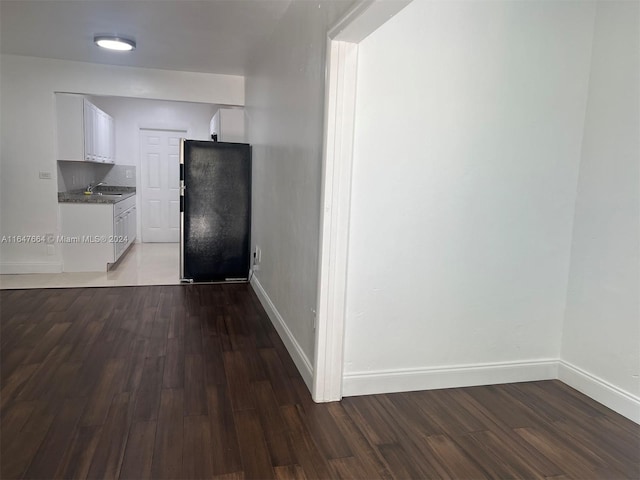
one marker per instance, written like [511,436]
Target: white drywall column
[336,199]
[340,96]
[601,336]
[469,121]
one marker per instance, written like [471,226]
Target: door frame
[340,102]
[163,128]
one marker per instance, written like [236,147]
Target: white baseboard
[293,347]
[388,381]
[600,390]
[19,268]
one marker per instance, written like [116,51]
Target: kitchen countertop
[101,196]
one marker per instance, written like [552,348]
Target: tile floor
[143,264]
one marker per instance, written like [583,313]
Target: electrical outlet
[51,250]
[128,173]
[257,257]
[313,318]
[73,179]
[44,175]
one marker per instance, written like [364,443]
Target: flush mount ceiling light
[115,42]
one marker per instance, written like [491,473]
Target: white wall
[77,175]
[285,102]
[28,205]
[469,125]
[601,336]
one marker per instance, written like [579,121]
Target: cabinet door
[97,133]
[89,152]
[95,130]
[97,147]
[123,232]
[111,138]
[127,232]
[134,225]
[106,140]
[102,135]
[117,228]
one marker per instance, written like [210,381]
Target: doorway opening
[153,258]
[340,94]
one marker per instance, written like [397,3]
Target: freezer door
[216,217]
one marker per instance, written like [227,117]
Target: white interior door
[160,182]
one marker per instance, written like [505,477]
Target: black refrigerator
[215,211]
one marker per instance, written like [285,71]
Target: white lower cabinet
[124,227]
[94,235]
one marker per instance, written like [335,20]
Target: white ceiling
[214,36]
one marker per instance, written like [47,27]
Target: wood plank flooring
[193,382]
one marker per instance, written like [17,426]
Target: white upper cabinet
[86,124]
[228,125]
[85,133]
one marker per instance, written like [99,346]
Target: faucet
[91,187]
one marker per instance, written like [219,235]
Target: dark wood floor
[193,382]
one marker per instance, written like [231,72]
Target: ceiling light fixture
[114,42]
